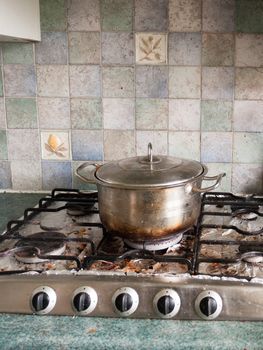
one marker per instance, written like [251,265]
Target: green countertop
[61,332]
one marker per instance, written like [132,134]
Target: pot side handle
[91,178]
[218,179]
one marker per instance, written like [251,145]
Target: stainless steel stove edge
[241,300]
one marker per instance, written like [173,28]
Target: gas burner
[40,243]
[252,257]
[79,209]
[156,244]
[245,214]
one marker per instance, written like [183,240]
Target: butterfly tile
[55,145]
[151,48]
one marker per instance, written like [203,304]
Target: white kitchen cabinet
[19,20]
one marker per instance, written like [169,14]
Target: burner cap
[79,209]
[44,241]
[156,244]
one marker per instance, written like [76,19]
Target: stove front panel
[130,296]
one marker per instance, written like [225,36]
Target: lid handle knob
[150,154]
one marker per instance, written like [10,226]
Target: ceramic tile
[215,169]
[2,114]
[248,147]
[55,145]
[151,48]
[21,113]
[118,81]
[117,15]
[249,83]
[117,48]
[151,113]
[87,144]
[185,49]
[184,144]
[118,113]
[3,145]
[17,53]
[20,80]
[23,144]
[53,14]
[52,49]
[217,49]
[247,178]
[1,82]
[26,175]
[151,15]
[249,50]
[52,81]
[84,81]
[218,15]
[248,116]
[5,175]
[84,47]
[184,115]
[216,115]
[216,147]
[118,144]
[86,113]
[152,81]
[78,183]
[53,113]
[56,175]
[84,15]
[217,83]
[184,82]
[249,16]
[157,138]
[185,15]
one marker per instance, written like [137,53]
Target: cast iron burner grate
[189,256]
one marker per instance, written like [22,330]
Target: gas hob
[58,259]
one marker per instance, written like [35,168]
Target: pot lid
[149,171]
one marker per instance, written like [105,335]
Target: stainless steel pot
[150,197]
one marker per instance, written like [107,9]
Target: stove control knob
[125,301]
[208,305]
[84,300]
[43,300]
[166,303]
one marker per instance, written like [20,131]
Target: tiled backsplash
[109,76]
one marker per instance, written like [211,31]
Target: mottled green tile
[216,115]
[3,145]
[151,114]
[84,48]
[18,53]
[118,81]
[21,113]
[248,147]
[86,113]
[1,83]
[53,15]
[184,144]
[116,15]
[249,16]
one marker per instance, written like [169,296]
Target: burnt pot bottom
[147,214]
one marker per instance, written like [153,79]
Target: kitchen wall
[109,76]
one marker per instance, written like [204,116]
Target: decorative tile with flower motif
[151,48]
[55,145]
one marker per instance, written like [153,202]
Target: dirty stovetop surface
[56,332]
